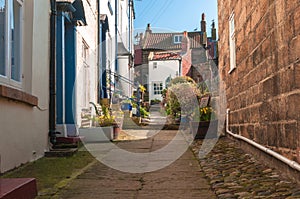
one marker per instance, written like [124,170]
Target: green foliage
[143,112]
[155,101]
[181,97]
[173,106]
[203,88]
[182,79]
[204,114]
[164,93]
[106,119]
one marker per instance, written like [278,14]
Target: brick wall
[263,91]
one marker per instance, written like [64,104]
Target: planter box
[204,129]
[97,134]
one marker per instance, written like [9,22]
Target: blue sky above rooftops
[174,15]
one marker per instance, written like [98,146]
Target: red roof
[165,41]
[166,56]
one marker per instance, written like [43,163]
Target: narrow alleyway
[182,179]
[155,116]
[225,172]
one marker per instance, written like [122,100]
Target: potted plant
[118,116]
[106,121]
[204,123]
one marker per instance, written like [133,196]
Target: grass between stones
[53,173]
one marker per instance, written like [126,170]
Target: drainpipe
[180,66]
[99,32]
[116,48]
[129,26]
[52,100]
[116,36]
[285,160]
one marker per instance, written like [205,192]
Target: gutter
[278,156]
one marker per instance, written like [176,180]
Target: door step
[23,188]
[61,152]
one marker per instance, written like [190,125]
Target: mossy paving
[232,173]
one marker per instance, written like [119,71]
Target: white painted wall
[23,128]
[86,77]
[110,36]
[125,72]
[164,69]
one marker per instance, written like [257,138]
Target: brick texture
[263,93]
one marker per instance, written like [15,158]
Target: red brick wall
[263,92]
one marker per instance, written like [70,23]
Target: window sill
[17,95]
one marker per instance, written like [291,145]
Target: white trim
[232,47]
[179,38]
[158,86]
[7,79]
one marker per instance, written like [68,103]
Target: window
[85,73]
[232,43]
[154,65]
[85,51]
[177,39]
[10,40]
[157,88]
[120,19]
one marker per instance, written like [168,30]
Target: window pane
[15,40]
[2,36]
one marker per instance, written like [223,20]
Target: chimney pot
[203,23]
[149,28]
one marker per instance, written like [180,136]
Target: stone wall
[263,91]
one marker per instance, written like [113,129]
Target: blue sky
[174,15]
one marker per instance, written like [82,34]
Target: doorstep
[21,188]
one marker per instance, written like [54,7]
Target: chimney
[185,34]
[141,38]
[203,23]
[148,28]
[184,42]
[213,31]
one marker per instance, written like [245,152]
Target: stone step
[68,140]
[61,152]
[15,188]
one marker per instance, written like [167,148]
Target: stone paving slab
[234,174]
[181,179]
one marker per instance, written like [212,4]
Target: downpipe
[52,71]
[285,160]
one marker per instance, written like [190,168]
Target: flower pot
[204,129]
[116,132]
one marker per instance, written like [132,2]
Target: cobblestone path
[232,173]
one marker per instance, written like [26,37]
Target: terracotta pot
[204,129]
[117,131]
